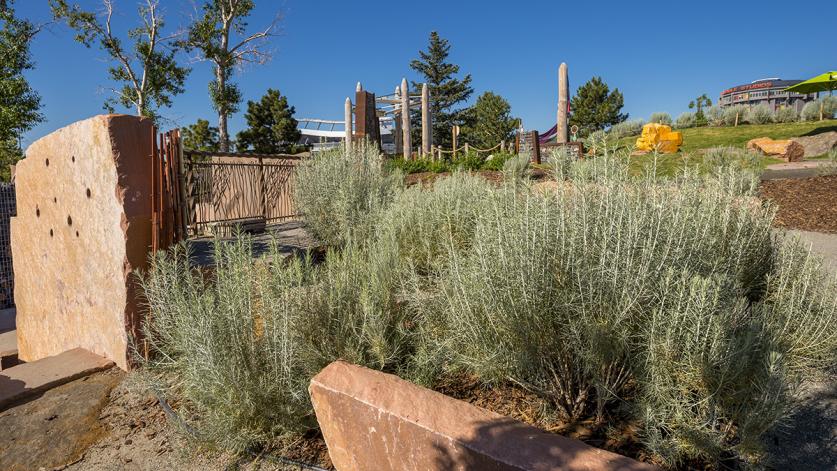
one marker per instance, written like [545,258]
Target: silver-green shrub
[759,114]
[226,344]
[811,111]
[686,120]
[660,118]
[733,113]
[714,115]
[671,286]
[786,114]
[339,193]
[627,128]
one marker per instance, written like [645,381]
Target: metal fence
[8,209]
[225,190]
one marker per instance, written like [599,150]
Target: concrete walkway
[822,244]
[804,169]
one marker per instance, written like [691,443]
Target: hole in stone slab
[47,162]
[69,220]
[54,199]
[88,193]
[76,233]
[74,158]
[50,232]
[37,211]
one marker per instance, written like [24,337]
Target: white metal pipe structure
[347,119]
[426,133]
[563,102]
[405,119]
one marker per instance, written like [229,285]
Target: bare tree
[148,70]
[220,37]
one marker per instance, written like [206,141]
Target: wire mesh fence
[8,209]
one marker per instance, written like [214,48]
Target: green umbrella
[821,83]
[826,82]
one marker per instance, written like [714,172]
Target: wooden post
[736,118]
[536,147]
[426,123]
[503,145]
[467,149]
[563,102]
[347,117]
[405,119]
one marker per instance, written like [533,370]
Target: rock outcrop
[818,144]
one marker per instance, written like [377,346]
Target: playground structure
[369,111]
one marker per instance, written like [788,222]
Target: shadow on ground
[808,439]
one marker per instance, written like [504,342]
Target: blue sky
[659,55]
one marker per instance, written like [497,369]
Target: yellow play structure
[659,137]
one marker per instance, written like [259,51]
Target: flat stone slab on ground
[25,380]
[373,420]
[58,427]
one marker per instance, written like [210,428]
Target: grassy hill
[696,140]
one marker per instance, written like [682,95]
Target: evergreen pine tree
[489,121]
[446,91]
[595,107]
[201,136]
[271,127]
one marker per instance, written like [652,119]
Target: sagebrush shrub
[759,114]
[340,192]
[715,115]
[686,120]
[627,128]
[786,114]
[660,118]
[731,113]
[811,111]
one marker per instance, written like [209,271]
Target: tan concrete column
[347,117]
[405,119]
[563,102]
[426,124]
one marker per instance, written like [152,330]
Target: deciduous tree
[271,127]
[147,69]
[699,103]
[19,104]
[595,107]
[446,91]
[220,36]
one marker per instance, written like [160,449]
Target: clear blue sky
[659,55]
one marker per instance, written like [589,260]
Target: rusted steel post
[536,147]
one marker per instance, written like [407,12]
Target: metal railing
[225,190]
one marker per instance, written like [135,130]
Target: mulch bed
[808,204]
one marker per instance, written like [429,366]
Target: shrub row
[670,300]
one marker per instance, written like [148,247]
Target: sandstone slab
[83,227]
[27,379]
[787,150]
[372,420]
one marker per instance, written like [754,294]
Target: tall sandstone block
[83,228]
